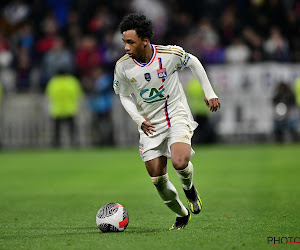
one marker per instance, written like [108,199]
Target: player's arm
[142,121]
[211,99]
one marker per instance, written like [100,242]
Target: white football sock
[186,176]
[169,195]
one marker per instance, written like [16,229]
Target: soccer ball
[112,217]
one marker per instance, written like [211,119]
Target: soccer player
[160,109]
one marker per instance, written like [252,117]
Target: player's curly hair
[139,23]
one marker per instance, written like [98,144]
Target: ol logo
[153,94]
[162,73]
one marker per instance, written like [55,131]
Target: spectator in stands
[6,63]
[101,23]
[23,42]
[61,9]
[228,26]
[292,31]
[64,93]
[255,43]
[237,52]
[284,113]
[100,102]
[87,57]
[275,13]
[6,56]
[158,14]
[253,15]
[15,12]
[182,23]
[23,69]
[50,30]
[205,42]
[276,46]
[74,32]
[23,37]
[58,57]
[109,51]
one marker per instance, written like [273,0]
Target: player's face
[134,45]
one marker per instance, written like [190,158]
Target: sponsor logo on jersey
[153,94]
[116,83]
[147,76]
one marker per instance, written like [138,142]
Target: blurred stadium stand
[246,46]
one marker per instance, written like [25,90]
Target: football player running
[160,110]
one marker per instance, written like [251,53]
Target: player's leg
[157,169]
[180,155]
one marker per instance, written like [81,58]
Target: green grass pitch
[49,199]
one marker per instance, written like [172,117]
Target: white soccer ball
[112,217]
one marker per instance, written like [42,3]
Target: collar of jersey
[150,61]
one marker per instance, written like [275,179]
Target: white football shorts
[160,144]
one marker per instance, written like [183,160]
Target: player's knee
[180,162]
[160,180]
[165,188]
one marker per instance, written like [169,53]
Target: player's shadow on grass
[57,232]
[140,230]
[48,232]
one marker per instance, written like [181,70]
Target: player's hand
[147,127]
[213,104]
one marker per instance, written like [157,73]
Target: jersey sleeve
[121,85]
[181,57]
[184,59]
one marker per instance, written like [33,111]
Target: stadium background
[249,185]
[247,48]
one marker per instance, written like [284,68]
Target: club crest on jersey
[147,77]
[162,73]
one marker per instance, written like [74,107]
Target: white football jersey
[156,86]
